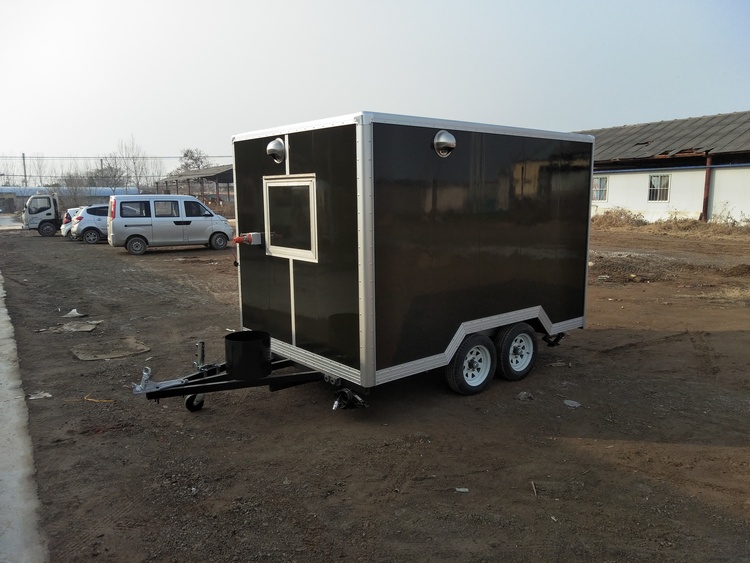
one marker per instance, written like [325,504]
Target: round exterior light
[276,150]
[443,143]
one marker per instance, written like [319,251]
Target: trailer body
[383,241]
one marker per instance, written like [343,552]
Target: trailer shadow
[679,387]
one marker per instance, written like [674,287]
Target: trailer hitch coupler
[139,388]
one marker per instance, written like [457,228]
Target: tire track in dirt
[84,541]
[703,353]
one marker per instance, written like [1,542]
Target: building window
[600,189]
[658,189]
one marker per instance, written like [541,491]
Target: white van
[139,221]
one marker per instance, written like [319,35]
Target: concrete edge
[20,540]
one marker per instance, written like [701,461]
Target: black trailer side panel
[498,226]
[326,291]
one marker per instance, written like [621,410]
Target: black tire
[516,351]
[91,236]
[219,241]
[136,245]
[473,366]
[194,403]
[47,229]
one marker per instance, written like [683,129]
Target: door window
[166,209]
[196,209]
[39,204]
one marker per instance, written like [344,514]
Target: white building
[697,168]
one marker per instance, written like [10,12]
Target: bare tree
[110,174]
[156,170]
[192,159]
[8,169]
[75,184]
[134,162]
[38,168]
[139,169]
[128,166]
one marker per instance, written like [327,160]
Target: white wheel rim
[521,352]
[476,365]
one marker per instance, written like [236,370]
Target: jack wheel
[194,403]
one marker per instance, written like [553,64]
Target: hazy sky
[78,76]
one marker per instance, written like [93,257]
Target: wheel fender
[127,240]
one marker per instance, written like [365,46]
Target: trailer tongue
[374,247]
[249,371]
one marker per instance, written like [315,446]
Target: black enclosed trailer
[380,246]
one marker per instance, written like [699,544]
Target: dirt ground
[652,465]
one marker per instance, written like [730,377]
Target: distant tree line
[127,166]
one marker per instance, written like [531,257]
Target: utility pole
[25,181]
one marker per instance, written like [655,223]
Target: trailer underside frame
[212,378]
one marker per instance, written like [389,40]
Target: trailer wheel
[47,229]
[516,348]
[472,368]
[136,245]
[194,403]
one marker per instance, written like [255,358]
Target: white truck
[42,212]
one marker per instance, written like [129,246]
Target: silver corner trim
[471,327]
[367,117]
[563,326]
[366,259]
[314,361]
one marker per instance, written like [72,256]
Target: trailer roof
[366,117]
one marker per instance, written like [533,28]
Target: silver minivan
[139,221]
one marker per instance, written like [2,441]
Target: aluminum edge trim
[578,322]
[348,119]
[315,361]
[366,258]
[588,233]
[417,121]
[237,232]
[471,327]
[368,117]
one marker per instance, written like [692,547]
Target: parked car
[140,221]
[90,224]
[68,221]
